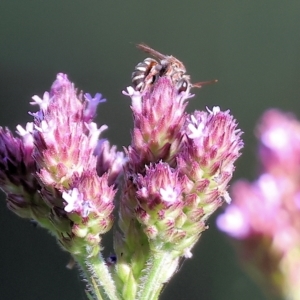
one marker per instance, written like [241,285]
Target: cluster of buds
[176,173]
[264,218]
[58,173]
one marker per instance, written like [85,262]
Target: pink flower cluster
[265,215]
[176,173]
[178,168]
[58,173]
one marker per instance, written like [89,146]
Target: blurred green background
[251,47]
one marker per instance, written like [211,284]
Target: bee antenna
[200,84]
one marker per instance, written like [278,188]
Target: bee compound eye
[182,85]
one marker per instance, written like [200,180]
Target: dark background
[251,47]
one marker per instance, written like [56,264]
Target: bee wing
[151,51]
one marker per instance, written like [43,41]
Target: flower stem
[98,276]
[161,268]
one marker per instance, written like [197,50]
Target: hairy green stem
[156,275]
[98,276]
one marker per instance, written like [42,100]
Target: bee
[148,71]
